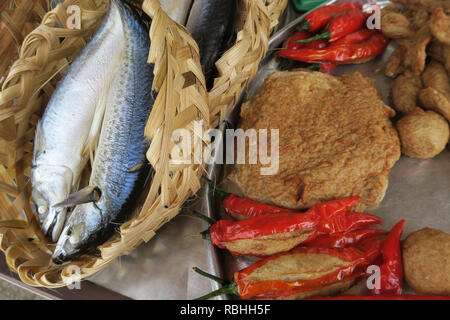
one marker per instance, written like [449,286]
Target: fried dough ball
[423,134]
[405,91]
[426,261]
[440,26]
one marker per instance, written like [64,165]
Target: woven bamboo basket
[30,75]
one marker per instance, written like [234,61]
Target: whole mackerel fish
[63,133]
[119,168]
[210,23]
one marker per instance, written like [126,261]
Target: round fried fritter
[335,140]
[426,261]
[423,134]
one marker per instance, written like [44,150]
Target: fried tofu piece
[394,66]
[395,25]
[417,18]
[440,52]
[426,261]
[436,77]
[432,99]
[335,140]
[416,49]
[440,26]
[405,92]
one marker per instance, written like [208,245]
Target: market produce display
[87,125]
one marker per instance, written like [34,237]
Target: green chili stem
[223,194]
[210,276]
[313,67]
[326,35]
[209,220]
[206,235]
[229,289]
[304,25]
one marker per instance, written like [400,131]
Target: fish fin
[96,128]
[135,167]
[85,195]
[39,141]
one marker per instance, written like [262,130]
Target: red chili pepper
[262,280]
[299,35]
[344,53]
[243,208]
[391,270]
[356,37]
[382,297]
[347,222]
[342,239]
[327,66]
[227,231]
[340,26]
[319,18]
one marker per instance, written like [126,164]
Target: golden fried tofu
[417,18]
[433,99]
[436,77]
[440,52]
[440,26]
[395,64]
[395,25]
[335,140]
[426,261]
[416,49]
[405,92]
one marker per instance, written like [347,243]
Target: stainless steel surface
[419,190]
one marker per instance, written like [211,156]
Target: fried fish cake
[335,140]
[426,261]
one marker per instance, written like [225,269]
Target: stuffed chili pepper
[273,233]
[302,272]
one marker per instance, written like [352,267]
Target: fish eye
[42,208]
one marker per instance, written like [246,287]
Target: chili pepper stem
[206,235]
[228,289]
[201,216]
[304,25]
[210,276]
[326,35]
[223,194]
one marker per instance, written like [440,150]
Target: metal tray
[419,190]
